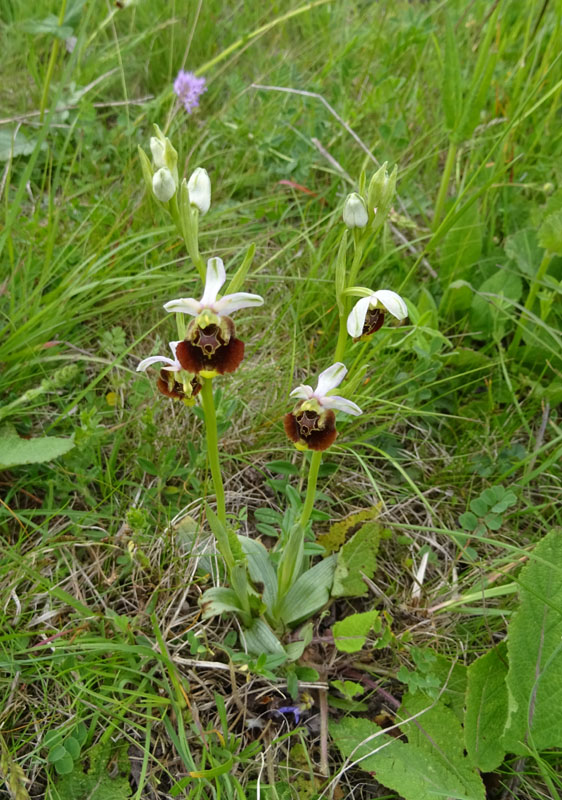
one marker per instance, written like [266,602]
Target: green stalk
[311,488]
[533,291]
[342,332]
[51,66]
[213,445]
[445,179]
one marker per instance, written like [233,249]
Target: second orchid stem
[313,469]
[213,445]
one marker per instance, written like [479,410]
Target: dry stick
[323,703]
[332,160]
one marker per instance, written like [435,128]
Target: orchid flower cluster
[291,590]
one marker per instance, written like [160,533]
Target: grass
[99,587]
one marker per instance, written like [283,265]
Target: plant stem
[342,332]
[213,445]
[533,291]
[311,488]
[445,179]
[51,66]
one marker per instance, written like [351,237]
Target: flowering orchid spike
[367,315]
[210,347]
[311,425]
[174,381]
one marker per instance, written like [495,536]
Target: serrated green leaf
[345,528]
[414,773]
[99,782]
[309,593]
[14,143]
[357,556]
[489,309]
[350,634]
[15,451]
[534,643]
[478,506]
[493,522]
[486,709]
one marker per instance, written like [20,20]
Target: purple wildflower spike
[189,88]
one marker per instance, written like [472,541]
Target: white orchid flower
[216,276]
[163,185]
[312,423]
[210,346]
[355,213]
[172,364]
[367,315]
[174,380]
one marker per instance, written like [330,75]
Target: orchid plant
[270,591]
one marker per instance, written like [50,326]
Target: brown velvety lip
[312,438]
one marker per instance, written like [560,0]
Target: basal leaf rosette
[311,425]
[211,346]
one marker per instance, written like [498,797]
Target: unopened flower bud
[354,211]
[158,151]
[163,185]
[381,193]
[199,188]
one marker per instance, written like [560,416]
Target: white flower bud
[158,151]
[199,188]
[355,211]
[163,185]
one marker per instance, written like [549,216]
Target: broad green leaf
[486,709]
[15,451]
[107,777]
[49,25]
[355,557]
[491,305]
[550,233]
[309,593]
[14,144]
[345,528]
[462,247]
[72,746]
[260,639]
[350,634]
[415,773]
[65,765]
[56,753]
[261,569]
[534,643]
[523,248]
[219,600]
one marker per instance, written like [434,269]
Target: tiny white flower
[355,213]
[163,185]
[216,276]
[199,188]
[367,315]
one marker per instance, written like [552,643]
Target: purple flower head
[189,88]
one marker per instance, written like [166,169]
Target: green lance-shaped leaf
[240,275]
[259,638]
[15,451]
[486,709]
[534,644]
[309,593]
[261,569]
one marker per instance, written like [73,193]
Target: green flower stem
[213,445]
[342,332]
[531,297]
[315,461]
[445,179]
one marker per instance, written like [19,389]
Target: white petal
[147,362]
[172,346]
[330,378]
[338,403]
[185,305]
[392,302]
[356,319]
[199,188]
[216,276]
[303,392]
[232,302]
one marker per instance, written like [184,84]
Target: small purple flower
[189,88]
